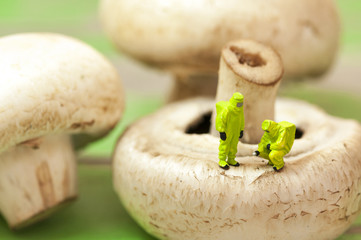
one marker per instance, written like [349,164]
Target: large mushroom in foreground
[51,86]
[167,176]
[185,37]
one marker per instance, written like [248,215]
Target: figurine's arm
[221,121]
[242,125]
[221,124]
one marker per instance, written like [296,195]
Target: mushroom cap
[188,35]
[53,84]
[170,181]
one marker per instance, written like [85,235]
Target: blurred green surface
[337,103]
[351,28]
[98,214]
[77,18]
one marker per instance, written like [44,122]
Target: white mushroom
[169,180]
[50,86]
[185,37]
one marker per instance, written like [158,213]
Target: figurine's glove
[241,134]
[269,146]
[223,136]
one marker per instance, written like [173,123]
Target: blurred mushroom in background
[186,37]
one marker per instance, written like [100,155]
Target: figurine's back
[220,106]
[290,134]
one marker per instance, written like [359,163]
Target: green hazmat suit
[280,137]
[230,123]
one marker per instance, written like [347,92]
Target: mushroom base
[170,181]
[36,178]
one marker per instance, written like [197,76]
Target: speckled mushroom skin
[171,184]
[52,84]
[187,36]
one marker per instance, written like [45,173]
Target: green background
[97,213]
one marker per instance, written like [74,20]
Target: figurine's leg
[270,163]
[232,152]
[276,157]
[263,151]
[223,152]
[262,154]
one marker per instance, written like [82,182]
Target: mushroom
[185,37]
[51,86]
[166,173]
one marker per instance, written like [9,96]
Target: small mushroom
[51,86]
[185,37]
[166,173]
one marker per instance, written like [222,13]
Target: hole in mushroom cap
[203,123]
[251,59]
[299,133]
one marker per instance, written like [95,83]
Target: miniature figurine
[276,142]
[230,125]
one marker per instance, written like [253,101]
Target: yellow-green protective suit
[230,120]
[280,136]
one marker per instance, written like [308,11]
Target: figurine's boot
[223,164]
[233,162]
[276,157]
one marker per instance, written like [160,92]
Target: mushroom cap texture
[54,84]
[170,181]
[188,35]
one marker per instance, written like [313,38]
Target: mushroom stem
[187,86]
[254,70]
[36,177]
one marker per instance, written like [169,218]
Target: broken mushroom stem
[254,70]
